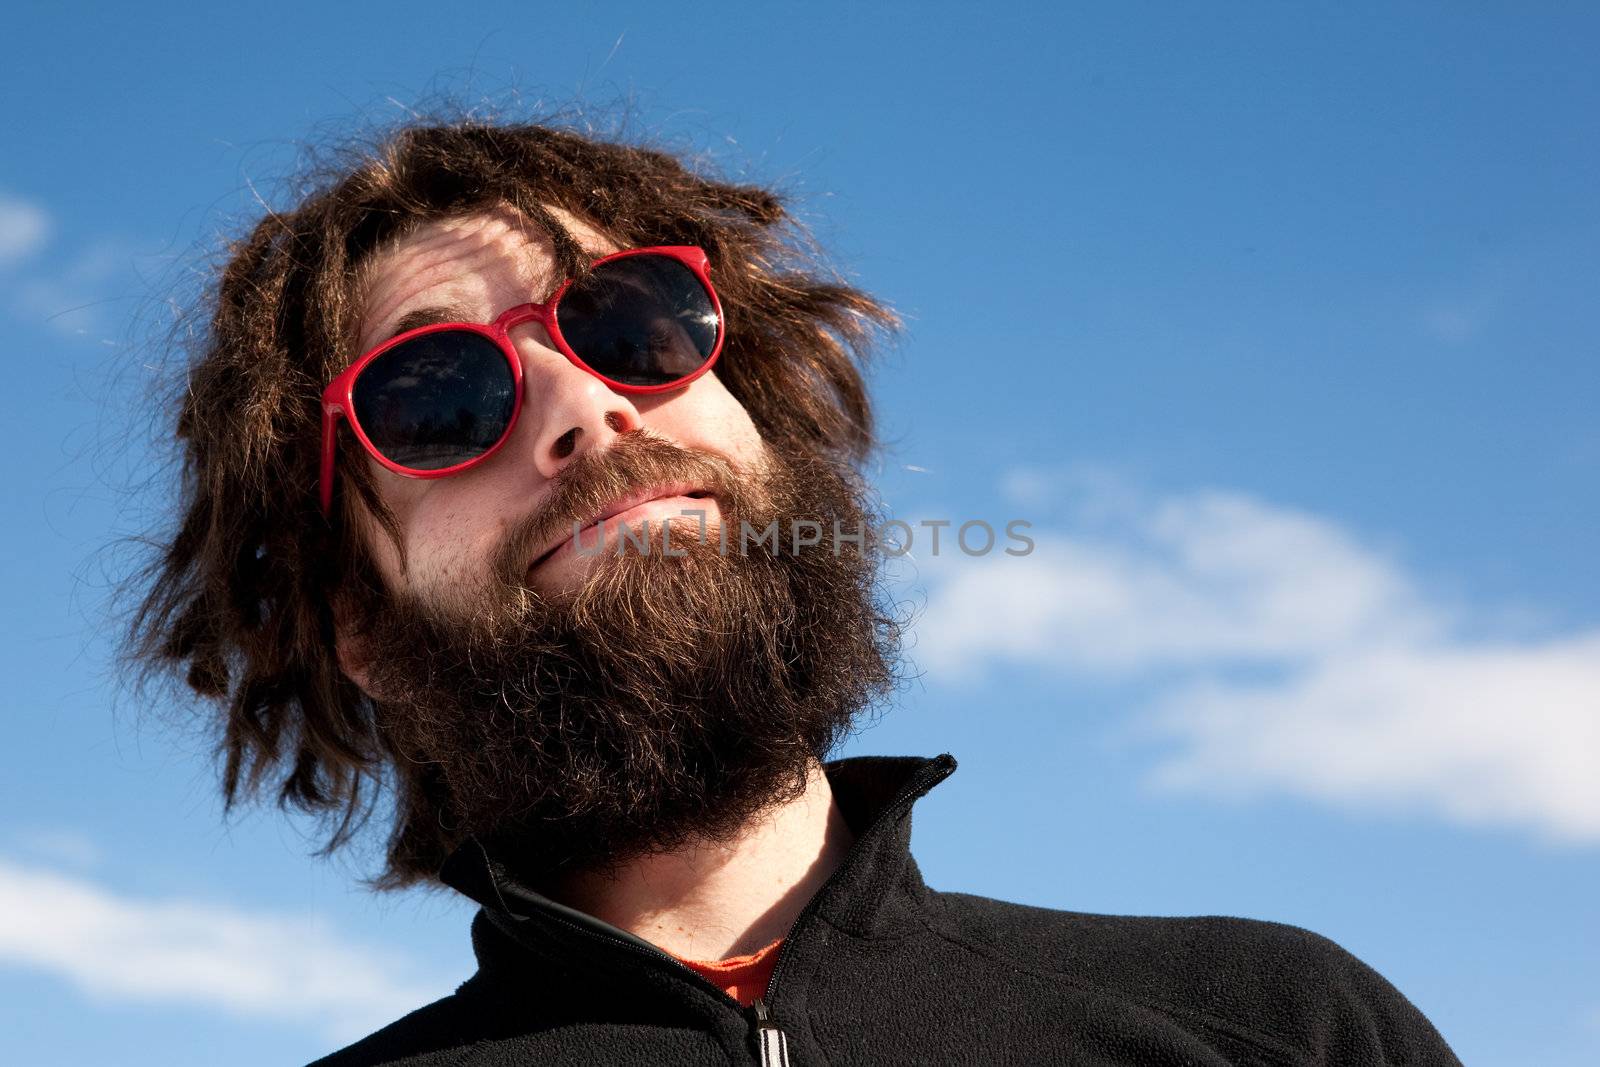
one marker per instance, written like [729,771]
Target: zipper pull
[772,1044]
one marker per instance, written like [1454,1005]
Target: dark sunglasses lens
[640,320]
[436,401]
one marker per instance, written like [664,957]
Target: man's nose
[565,409]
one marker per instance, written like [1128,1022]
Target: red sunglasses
[443,398]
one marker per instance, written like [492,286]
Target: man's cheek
[448,567]
[743,447]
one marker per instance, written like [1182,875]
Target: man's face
[473,268]
[586,707]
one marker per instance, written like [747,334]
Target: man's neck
[712,901]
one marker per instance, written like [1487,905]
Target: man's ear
[351,648]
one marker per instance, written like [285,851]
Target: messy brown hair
[237,600]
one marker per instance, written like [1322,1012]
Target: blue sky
[1278,324]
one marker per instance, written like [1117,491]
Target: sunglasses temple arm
[330,423]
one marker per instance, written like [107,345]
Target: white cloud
[261,965]
[1187,581]
[1487,735]
[1374,693]
[23,228]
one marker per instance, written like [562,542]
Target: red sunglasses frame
[338,399]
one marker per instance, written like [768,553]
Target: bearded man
[496,456]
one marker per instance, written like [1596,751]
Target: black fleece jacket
[881,969]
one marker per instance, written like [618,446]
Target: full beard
[666,700]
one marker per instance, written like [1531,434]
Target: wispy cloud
[1185,581]
[24,226]
[1294,657]
[73,295]
[58,845]
[66,288]
[1457,321]
[272,966]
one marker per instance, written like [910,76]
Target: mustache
[598,476]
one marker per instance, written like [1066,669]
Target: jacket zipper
[772,1044]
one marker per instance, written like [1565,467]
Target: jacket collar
[874,794]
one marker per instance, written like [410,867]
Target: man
[498,455]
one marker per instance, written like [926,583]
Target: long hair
[237,600]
